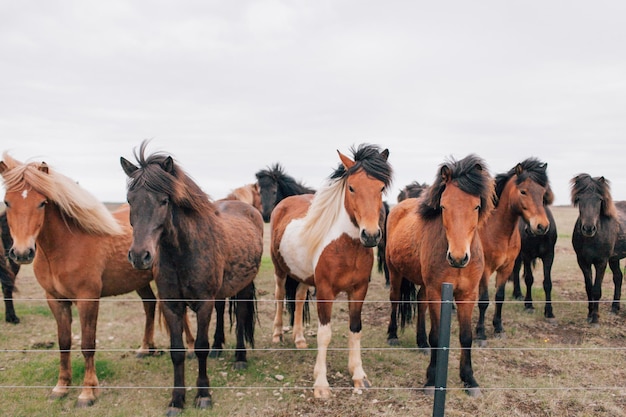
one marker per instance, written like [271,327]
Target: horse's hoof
[322,393]
[481,343]
[240,365]
[12,320]
[429,391]
[204,403]
[191,354]
[500,335]
[393,341]
[85,402]
[594,325]
[529,310]
[277,338]
[551,320]
[173,411]
[363,383]
[473,392]
[215,353]
[301,344]
[424,350]
[57,395]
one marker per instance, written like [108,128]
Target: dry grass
[539,369]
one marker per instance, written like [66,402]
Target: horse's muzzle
[457,263]
[24,257]
[370,240]
[142,260]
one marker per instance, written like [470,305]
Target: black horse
[534,247]
[599,238]
[275,185]
[8,272]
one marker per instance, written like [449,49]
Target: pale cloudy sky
[229,87]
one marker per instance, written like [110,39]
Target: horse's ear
[602,180]
[385,154]
[446,173]
[43,167]
[127,166]
[347,162]
[168,164]
[519,169]
[478,167]
[3,167]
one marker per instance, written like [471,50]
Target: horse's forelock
[370,159]
[600,186]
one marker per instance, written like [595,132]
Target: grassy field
[567,368]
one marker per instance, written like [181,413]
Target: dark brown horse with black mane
[199,251]
[535,247]
[434,239]
[78,249]
[8,271]
[599,238]
[412,190]
[522,192]
[275,185]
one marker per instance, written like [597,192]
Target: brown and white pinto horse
[78,250]
[522,192]
[434,239]
[325,240]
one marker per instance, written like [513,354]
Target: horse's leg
[355,364]
[174,313]
[517,289]
[617,281]
[62,312]
[148,346]
[483,303]
[464,315]
[218,338]
[8,280]
[279,295]
[298,317]
[548,260]
[433,295]
[325,298]
[394,298]
[421,336]
[585,267]
[190,340]
[246,317]
[203,397]
[88,313]
[529,279]
[596,291]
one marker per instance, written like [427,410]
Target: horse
[522,192]
[599,237]
[248,193]
[533,247]
[78,251]
[199,251]
[326,240]
[8,271]
[412,190]
[275,185]
[434,239]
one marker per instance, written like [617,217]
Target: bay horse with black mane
[599,238]
[199,251]
[535,247]
[8,271]
[78,249]
[325,240]
[521,193]
[434,239]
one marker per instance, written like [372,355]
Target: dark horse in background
[8,272]
[276,185]
[535,247]
[599,238]
[199,251]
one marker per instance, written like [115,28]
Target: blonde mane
[323,213]
[73,201]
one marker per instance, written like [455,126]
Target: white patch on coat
[24,194]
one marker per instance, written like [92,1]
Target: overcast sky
[229,87]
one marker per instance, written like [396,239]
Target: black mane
[287,185]
[531,168]
[372,160]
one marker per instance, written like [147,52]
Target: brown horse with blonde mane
[78,250]
[325,240]
[522,192]
[434,239]
[249,194]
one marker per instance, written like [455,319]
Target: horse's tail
[245,299]
[291,285]
[408,302]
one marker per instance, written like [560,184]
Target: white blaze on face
[24,194]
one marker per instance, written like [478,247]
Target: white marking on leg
[321,386]
[298,328]
[355,365]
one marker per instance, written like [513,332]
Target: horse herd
[461,229]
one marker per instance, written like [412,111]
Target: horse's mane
[159,172]
[600,186]
[531,168]
[412,190]
[471,176]
[328,201]
[287,185]
[76,203]
[248,193]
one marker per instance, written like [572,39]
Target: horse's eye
[6,203]
[43,204]
[164,202]
[350,188]
[443,207]
[477,208]
[523,192]
[382,190]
